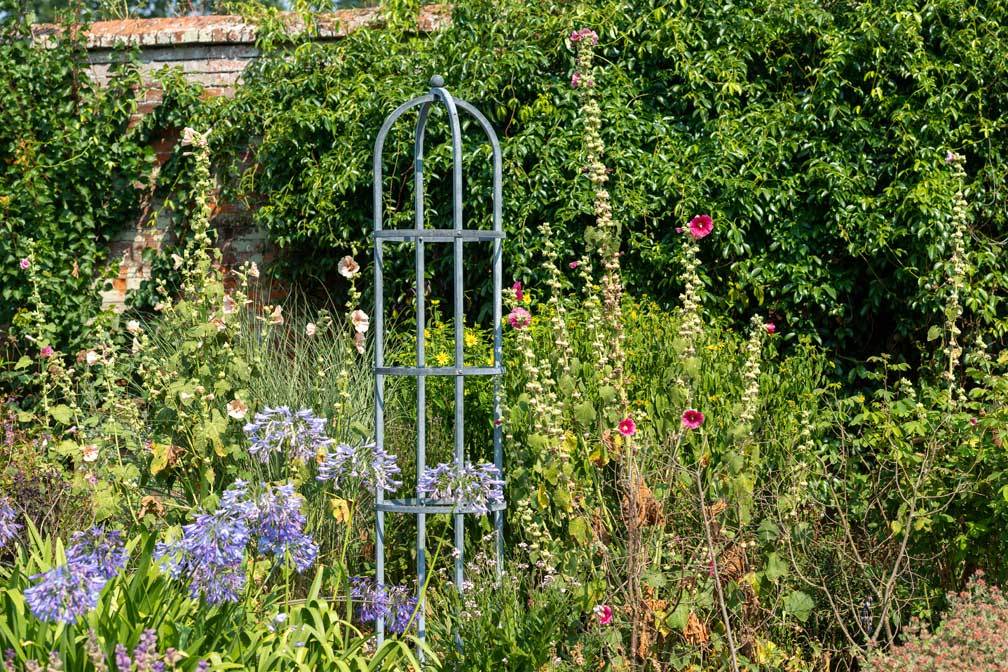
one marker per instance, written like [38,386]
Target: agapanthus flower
[467,487]
[701,226]
[627,426]
[692,418]
[65,593]
[279,527]
[396,604]
[519,318]
[211,551]
[102,549]
[371,467]
[122,659]
[276,430]
[9,527]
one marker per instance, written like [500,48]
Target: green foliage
[814,135]
[68,164]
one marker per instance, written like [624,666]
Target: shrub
[972,636]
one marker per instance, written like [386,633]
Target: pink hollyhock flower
[770,327]
[574,264]
[604,614]
[46,352]
[519,318]
[701,226]
[575,80]
[584,34]
[25,263]
[519,294]
[627,427]
[692,418]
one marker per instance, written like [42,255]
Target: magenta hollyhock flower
[25,263]
[46,352]
[770,327]
[519,318]
[574,264]
[519,293]
[692,418]
[604,614]
[575,80]
[701,226]
[627,427]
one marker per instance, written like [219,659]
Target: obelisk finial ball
[437,81]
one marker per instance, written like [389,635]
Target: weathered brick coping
[231,29]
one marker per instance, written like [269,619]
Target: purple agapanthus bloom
[100,548]
[468,487]
[65,593]
[279,527]
[211,551]
[9,527]
[396,604]
[367,465]
[278,430]
[122,659]
[69,591]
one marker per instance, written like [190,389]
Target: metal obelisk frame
[456,237]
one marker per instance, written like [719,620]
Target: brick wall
[212,51]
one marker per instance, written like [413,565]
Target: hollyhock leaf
[584,413]
[775,568]
[607,394]
[23,363]
[767,531]
[62,414]
[579,530]
[799,605]
[676,620]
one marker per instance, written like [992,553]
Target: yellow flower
[442,359]
[470,339]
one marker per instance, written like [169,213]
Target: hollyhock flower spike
[584,34]
[575,80]
[627,426]
[701,226]
[692,418]
[519,318]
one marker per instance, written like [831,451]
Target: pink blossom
[604,614]
[973,421]
[770,327]
[519,318]
[627,427]
[46,352]
[692,418]
[575,80]
[701,226]
[574,264]
[25,263]
[519,294]
[584,34]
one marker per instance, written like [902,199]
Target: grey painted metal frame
[455,236]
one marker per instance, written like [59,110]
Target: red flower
[604,614]
[771,328]
[627,427]
[519,294]
[692,418]
[701,226]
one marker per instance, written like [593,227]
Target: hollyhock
[771,328]
[347,267]
[604,614]
[360,320]
[46,352]
[692,419]
[627,426]
[519,318]
[519,294]
[701,226]
[25,264]
[584,34]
